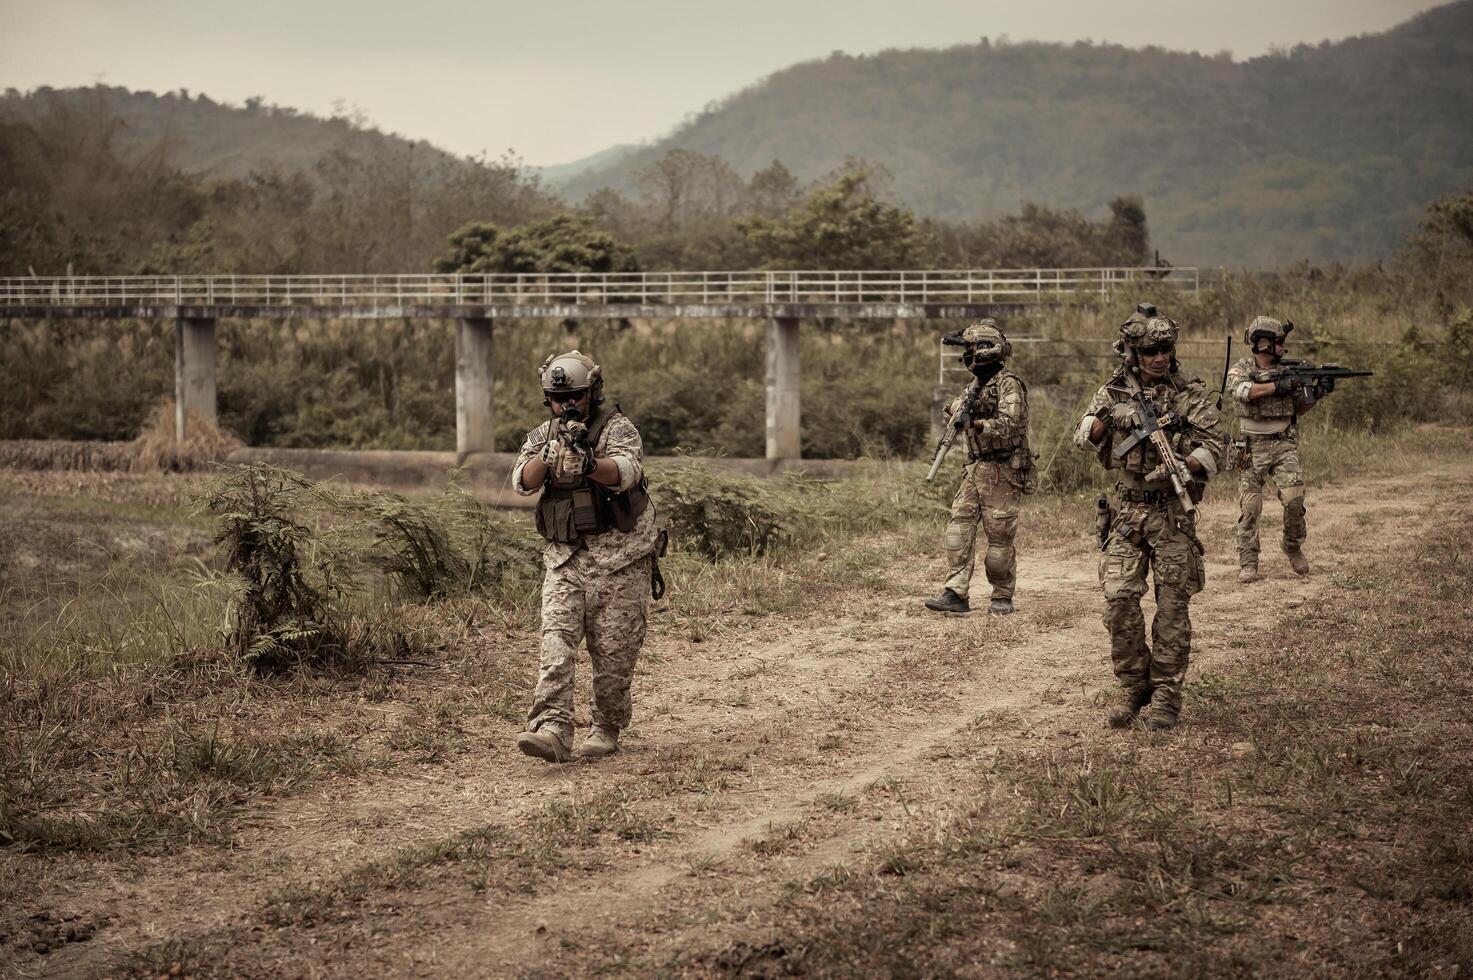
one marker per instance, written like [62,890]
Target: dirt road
[752,753]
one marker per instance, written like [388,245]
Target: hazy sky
[559,79]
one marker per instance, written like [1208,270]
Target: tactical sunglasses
[1153,351]
[566,396]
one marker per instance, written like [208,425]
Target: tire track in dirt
[510,938]
[807,668]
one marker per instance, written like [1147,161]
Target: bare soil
[778,748]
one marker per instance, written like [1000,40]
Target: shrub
[450,546]
[717,512]
[287,586]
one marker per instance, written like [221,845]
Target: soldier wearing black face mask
[999,470]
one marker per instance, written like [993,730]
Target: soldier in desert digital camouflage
[998,471]
[1270,403]
[587,463]
[1149,526]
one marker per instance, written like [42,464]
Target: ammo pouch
[1022,462]
[566,515]
[569,514]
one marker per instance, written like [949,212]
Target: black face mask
[983,370]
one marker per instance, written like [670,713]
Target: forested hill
[217,139]
[1322,152]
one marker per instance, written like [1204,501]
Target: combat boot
[545,744]
[1128,703]
[1000,606]
[603,741]
[1248,573]
[1165,709]
[1297,561]
[1161,719]
[949,602]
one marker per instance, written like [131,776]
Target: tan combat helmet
[574,371]
[988,343]
[1148,327]
[1266,327]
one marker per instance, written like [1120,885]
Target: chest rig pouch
[1273,407]
[570,510]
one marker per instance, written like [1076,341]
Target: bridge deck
[558,311]
[866,294]
[782,298]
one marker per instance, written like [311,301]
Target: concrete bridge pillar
[473,386]
[783,402]
[194,371]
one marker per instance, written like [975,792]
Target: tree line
[86,192]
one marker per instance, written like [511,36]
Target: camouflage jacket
[1201,437]
[1002,407]
[1242,376]
[614,549]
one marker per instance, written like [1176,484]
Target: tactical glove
[1323,386]
[1163,472]
[549,452]
[1124,416]
[571,462]
[1288,386]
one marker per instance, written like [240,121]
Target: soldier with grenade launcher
[1271,393]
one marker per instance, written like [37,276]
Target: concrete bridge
[475,301]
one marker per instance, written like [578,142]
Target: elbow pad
[1208,460]
[1081,434]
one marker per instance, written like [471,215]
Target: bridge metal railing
[645,288]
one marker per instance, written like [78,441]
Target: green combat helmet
[1267,328]
[573,371]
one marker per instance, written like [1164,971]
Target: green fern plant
[286,585]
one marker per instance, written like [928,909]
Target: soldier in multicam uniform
[1269,406]
[587,462]
[1148,526]
[999,468]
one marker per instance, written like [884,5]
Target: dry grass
[154,449]
[1311,818]
[157,448]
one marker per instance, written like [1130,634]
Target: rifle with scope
[1302,374]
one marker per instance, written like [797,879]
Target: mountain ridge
[1232,170]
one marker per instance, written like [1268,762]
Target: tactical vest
[1269,409]
[1143,458]
[570,510]
[982,445]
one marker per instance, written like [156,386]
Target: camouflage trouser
[1163,539]
[1276,459]
[609,611]
[988,493]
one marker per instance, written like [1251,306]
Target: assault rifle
[1150,428]
[959,421]
[1310,375]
